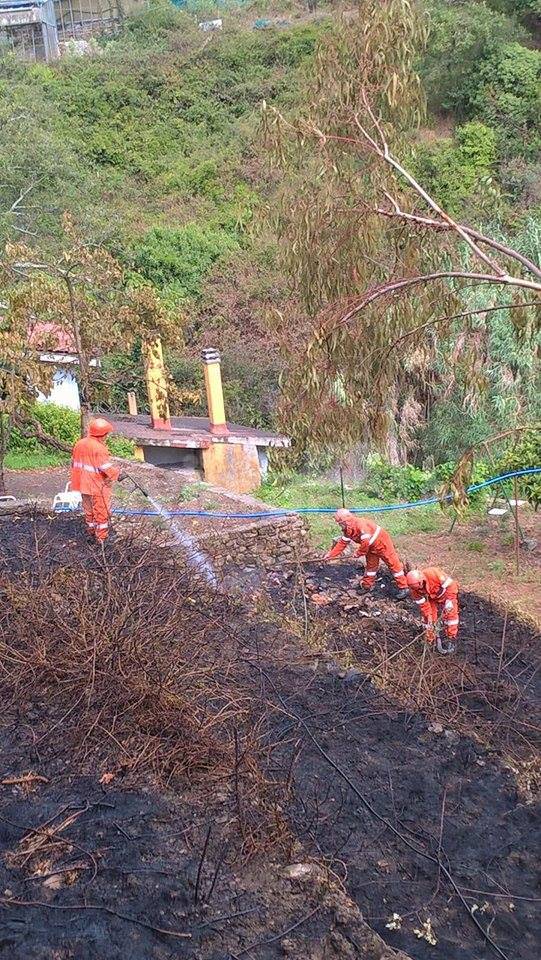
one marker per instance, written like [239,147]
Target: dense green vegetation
[27,453]
[153,144]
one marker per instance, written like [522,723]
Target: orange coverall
[93,475]
[375,544]
[439,595]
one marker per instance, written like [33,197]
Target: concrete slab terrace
[236,460]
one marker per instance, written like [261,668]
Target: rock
[320,599]
[288,946]
[451,736]
[435,728]
[300,871]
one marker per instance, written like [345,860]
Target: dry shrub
[127,656]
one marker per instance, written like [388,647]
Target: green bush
[180,260]
[522,456]
[390,483]
[459,170]
[62,424]
[409,483]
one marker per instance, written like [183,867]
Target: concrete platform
[235,460]
[191,432]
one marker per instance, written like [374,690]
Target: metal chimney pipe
[215,394]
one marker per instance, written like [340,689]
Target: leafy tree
[522,455]
[80,297]
[462,37]
[508,97]
[527,10]
[376,297]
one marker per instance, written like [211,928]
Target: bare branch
[384,152]
[24,193]
[476,234]
[404,283]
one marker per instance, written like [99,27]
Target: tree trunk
[3,441]
[85,376]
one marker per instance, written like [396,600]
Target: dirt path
[481,557]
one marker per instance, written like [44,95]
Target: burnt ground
[404,784]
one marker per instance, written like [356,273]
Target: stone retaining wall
[261,542]
[258,542]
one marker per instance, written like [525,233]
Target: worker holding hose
[93,474]
[374,543]
[436,593]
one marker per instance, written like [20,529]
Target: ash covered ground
[260,775]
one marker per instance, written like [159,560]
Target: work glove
[430,633]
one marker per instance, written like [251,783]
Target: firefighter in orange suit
[93,474]
[436,593]
[374,543]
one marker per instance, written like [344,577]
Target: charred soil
[188,774]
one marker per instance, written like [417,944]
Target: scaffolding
[28,29]
[36,29]
[87,18]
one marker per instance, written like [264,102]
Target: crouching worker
[374,543]
[93,474]
[436,594]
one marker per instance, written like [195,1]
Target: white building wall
[64,392]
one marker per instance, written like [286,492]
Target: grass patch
[475,546]
[38,459]
[305,491]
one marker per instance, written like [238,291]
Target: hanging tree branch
[374,258]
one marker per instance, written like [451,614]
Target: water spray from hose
[195,557]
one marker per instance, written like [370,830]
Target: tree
[377,262]
[509,98]
[80,298]
[21,376]
[462,37]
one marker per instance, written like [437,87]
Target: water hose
[270,514]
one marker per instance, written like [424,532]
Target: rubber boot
[402,594]
[445,645]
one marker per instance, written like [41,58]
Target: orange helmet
[415,579]
[99,427]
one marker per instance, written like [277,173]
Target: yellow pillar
[156,384]
[215,394]
[139,454]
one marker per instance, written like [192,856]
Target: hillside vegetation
[153,144]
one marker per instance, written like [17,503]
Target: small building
[57,348]
[43,29]
[226,454]
[28,28]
